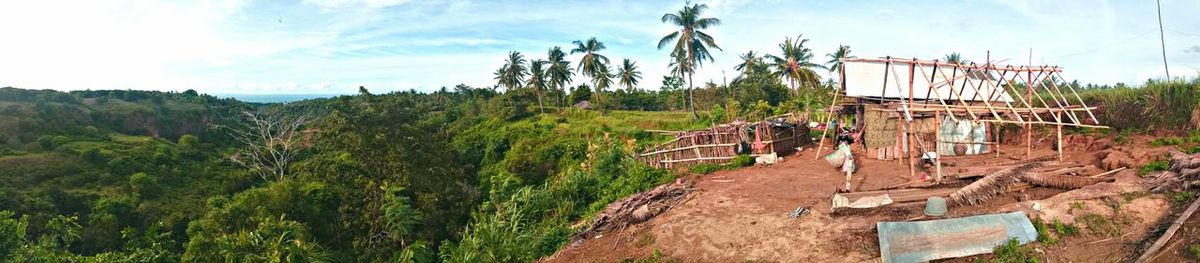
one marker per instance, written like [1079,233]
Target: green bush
[1043,232]
[742,161]
[1182,197]
[1157,165]
[706,168]
[1064,229]
[1013,252]
[1165,141]
[737,162]
[1194,250]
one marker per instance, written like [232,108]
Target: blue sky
[334,46]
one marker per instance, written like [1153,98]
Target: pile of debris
[1184,173]
[1021,176]
[637,208]
[983,183]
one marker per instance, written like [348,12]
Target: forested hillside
[468,175]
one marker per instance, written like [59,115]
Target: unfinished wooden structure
[721,143]
[932,103]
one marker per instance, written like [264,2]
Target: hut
[779,135]
[909,107]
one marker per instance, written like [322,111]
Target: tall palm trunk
[541,107]
[691,97]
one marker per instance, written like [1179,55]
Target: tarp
[881,80]
[963,131]
[948,238]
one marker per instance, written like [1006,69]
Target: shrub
[1182,197]
[706,168]
[1013,252]
[1043,232]
[1064,229]
[1099,225]
[1194,250]
[1157,165]
[1165,141]
[737,162]
[742,161]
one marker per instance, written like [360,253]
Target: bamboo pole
[1060,147]
[1108,172]
[829,116]
[1006,103]
[1029,82]
[1081,102]
[1022,98]
[937,139]
[1055,93]
[930,63]
[1028,141]
[939,94]
[1158,244]
[912,169]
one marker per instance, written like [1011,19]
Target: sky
[334,46]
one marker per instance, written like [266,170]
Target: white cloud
[333,4]
[335,46]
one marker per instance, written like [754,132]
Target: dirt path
[742,215]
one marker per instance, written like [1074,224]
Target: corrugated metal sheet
[948,238]
[867,79]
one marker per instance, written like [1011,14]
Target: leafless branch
[269,143]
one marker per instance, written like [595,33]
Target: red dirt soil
[741,215]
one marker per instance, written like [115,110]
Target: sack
[839,156]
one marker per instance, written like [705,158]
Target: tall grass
[1157,105]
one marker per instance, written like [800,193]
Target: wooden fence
[721,143]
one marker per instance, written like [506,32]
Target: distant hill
[275,98]
[27,114]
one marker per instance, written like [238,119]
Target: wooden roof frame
[1028,107]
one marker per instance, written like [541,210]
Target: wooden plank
[1158,244]
[903,195]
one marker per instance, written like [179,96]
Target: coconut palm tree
[499,76]
[748,61]
[795,62]
[514,71]
[955,58]
[559,73]
[602,80]
[628,74]
[690,43]
[537,80]
[835,58]
[592,61]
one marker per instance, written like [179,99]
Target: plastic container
[935,206]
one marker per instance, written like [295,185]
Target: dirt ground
[741,215]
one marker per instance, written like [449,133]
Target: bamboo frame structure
[1044,102]
[719,144]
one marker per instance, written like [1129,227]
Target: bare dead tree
[270,141]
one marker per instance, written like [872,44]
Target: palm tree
[835,58]
[602,80]
[955,58]
[537,80]
[795,63]
[514,71]
[499,76]
[748,61]
[559,73]
[691,44]
[629,74]
[591,62]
